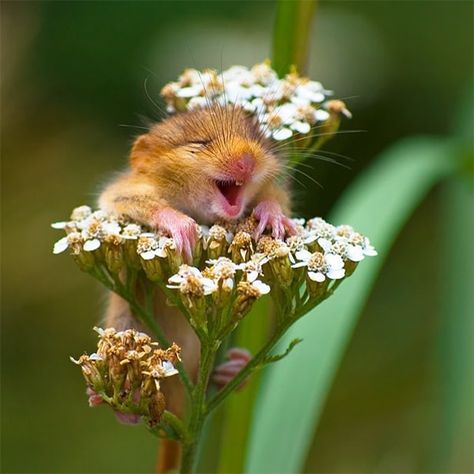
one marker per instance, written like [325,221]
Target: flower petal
[282,134]
[316,276]
[263,288]
[91,245]
[334,261]
[60,246]
[336,274]
[148,255]
[354,253]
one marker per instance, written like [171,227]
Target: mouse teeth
[239,183]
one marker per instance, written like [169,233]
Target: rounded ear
[141,153]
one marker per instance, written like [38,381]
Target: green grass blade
[294,390]
[291,35]
[453,452]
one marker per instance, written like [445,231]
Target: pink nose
[243,166]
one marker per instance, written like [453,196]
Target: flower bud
[113,252]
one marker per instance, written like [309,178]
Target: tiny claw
[225,372]
[182,228]
[269,213]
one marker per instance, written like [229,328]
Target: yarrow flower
[283,107]
[125,373]
[232,269]
[320,266]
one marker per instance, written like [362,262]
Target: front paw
[182,228]
[269,214]
[225,372]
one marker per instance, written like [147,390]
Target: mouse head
[210,162]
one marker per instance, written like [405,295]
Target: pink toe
[94,398]
[127,418]
[239,353]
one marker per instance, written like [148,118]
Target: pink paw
[269,214]
[180,227]
[226,371]
[94,398]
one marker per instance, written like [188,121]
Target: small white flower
[187,274]
[320,266]
[131,231]
[73,241]
[148,246]
[261,287]
[80,213]
[321,228]
[253,267]
[168,369]
[224,270]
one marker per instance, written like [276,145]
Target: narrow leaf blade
[292,397]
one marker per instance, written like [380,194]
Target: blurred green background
[72,92]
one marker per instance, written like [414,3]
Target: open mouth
[231,191]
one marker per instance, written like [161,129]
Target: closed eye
[203,142]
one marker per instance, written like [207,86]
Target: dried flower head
[126,371]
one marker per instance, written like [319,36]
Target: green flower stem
[251,365]
[198,407]
[286,322]
[177,425]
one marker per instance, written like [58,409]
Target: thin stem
[287,321]
[198,407]
[251,365]
[176,424]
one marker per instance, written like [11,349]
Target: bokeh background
[72,83]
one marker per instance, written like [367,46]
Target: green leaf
[292,397]
[455,364]
[276,357]
[291,35]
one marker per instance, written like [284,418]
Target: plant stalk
[291,35]
[198,408]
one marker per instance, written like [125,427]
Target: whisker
[145,86]
[133,126]
[316,135]
[309,177]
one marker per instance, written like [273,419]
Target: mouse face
[209,162]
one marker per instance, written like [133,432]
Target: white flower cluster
[338,248]
[219,276]
[225,256]
[87,230]
[284,107]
